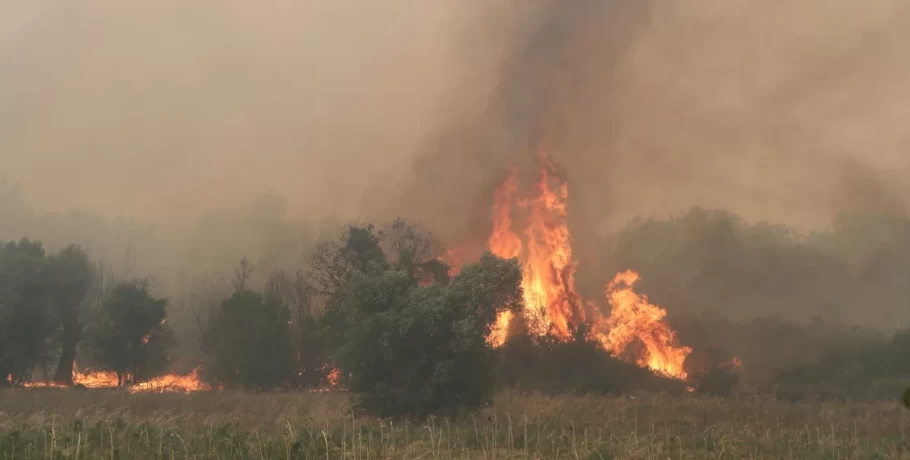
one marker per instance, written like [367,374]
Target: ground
[55,423]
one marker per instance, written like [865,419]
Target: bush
[580,365]
[412,349]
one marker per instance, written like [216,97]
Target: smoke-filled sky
[163,109]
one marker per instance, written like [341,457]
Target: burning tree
[129,336]
[530,224]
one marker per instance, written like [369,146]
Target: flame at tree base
[170,383]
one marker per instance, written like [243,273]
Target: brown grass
[51,423]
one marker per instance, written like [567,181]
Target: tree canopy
[247,342]
[130,335]
[422,349]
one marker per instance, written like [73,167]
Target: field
[51,423]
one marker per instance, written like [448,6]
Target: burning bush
[579,365]
[130,337]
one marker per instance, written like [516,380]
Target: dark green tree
[27,323]
[247,342]
[129,336]
[71,276]
[361,248]
[331,265]
[412,349]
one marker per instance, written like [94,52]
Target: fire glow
[169,383]
[552,306]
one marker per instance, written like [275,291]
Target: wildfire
[172,383]
[332,380]
[551,303]
[634,319]
[43,385]
[97,379]
[735,364]
[102,379]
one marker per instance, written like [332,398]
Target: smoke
[167,110]
[173,137]
[790,114]
[163,109]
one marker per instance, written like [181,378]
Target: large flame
[551,303]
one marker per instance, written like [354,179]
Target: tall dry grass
[51,423]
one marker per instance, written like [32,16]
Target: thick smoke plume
[180,114]
[781,113]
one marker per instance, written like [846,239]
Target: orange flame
[100,379]
[172,383]
[551,303]
[42,385]
[634,319]
[104,379]
[735,364]
[332,380]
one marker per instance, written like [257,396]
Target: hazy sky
[162,109]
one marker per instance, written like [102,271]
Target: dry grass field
[51,424]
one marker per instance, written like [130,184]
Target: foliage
[71,276]
[855,271]
[379,303]
[129,336]
[821,359]
[413,349]
[27,323]
[579,365]
[247,342]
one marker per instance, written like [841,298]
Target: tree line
[377,304]
[378,308]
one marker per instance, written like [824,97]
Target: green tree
[130,336]
[412,349]
[247,342]
[27,324]
[71,276]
